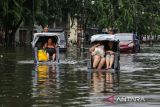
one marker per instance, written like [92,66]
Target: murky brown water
[71,84]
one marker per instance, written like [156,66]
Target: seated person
[110,51]
[97,51]
[44,46]
[51,51]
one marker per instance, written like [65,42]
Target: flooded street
[71,84]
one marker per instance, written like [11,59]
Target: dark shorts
[51,51]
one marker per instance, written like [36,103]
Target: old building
[24,34]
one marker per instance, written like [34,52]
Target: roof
[37,35]
[56,30]
[123,34]
[46,34]
[103,37]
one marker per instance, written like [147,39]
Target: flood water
[71,84]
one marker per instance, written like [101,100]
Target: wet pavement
[71,84]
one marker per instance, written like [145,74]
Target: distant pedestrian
[110,52]
[68,40]
[1,36]
[79,37]
[111,32]
[45,29]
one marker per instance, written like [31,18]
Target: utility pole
[82,25]
[32,19]
[33,16]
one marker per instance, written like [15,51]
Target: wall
[24,34]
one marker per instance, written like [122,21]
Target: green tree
[140,16]
[11,18]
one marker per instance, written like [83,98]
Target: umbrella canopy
[37,36]
[103,37]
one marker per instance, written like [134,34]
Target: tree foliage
[142,16]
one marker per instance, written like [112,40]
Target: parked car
[128,42]
[63,38]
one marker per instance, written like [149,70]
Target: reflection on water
[71,84]
[104,82]
[43,76]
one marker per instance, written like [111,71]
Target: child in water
[109,55]
[51,49]
[97,51]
